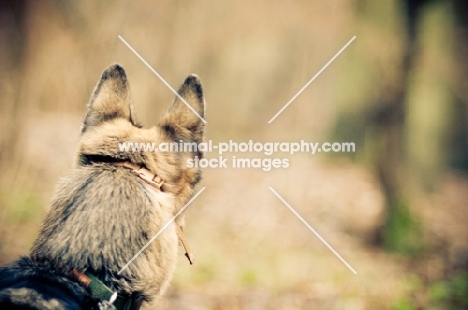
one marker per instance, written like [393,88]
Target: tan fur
[101,214]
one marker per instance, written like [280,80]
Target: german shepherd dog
[110,206]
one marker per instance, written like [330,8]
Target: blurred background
[396,209]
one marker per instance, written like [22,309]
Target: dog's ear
[111,99]
[180,115]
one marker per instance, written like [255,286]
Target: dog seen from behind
[110,206]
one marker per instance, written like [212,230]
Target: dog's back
[102,215]
[27,285]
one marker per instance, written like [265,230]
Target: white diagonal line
[161,230]
[313,230]
[311,80]
[162,79]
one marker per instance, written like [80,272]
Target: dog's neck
[139,170]
[149,177]
[156,181]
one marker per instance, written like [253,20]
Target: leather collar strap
[188,252]
[156,181]
[102,292]
[143,173]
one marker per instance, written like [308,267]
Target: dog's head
[110,132]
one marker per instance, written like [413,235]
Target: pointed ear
[111,99]
[181,115]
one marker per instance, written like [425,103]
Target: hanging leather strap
[156,181]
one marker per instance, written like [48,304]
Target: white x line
[161,78]
[313,230]
[161,230]
[311,80]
